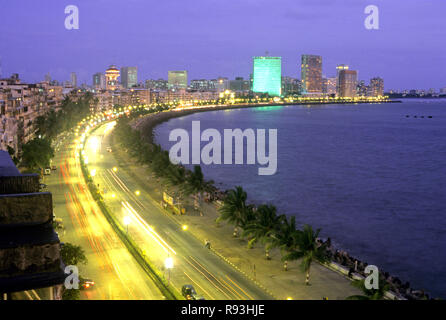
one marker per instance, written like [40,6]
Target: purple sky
[210,38]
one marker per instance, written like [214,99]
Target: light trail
[149,230]
[225,285]
[212,282]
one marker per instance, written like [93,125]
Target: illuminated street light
[137,192]
[184,227]
[113,195]
[115,169]
[92,172]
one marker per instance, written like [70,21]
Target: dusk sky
[211,38]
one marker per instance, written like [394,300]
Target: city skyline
[395,52]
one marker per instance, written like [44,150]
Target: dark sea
[371,176]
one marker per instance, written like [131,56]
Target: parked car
[189,293]
[42,186]
[47,171]
[53,167]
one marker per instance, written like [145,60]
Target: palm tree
[266,222]
[235,210]
[307,249]
[370,294]
[176,174]
[285,237]
[196,185]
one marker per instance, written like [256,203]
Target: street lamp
[115,169]
[137,192]
[168,263]
[126,223]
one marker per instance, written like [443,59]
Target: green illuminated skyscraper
[267,75]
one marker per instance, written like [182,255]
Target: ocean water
[371,178]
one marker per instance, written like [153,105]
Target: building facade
[267,75]
[129,77]
[20,105]
[99,82]
[239,85]
[30,249]
[160,84]
[73,79]
[311,74]
[347,83]
[177,79]
[111,77]
[329,86]
[376,87]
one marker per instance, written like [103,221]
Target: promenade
[269,274]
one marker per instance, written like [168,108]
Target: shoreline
[147,124]
[342,262]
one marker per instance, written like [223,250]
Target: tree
[235,210]
[176,174]
[265,222]
[73,255]
[195,183]
[307,249]
[37,153]
[11,152]
[285,236]
[370,294]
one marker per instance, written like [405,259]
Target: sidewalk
[268,273]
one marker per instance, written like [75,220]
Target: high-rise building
[99,81]
[48,77]
[311,73]
[177,79]
[347,83]
[73,79]
[267,75]
[129,76]
[338,70]
[111,77]
[329,86]
[362,89]
[376,87]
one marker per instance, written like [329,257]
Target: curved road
[159,234]
[115,272]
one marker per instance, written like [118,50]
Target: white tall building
[73,79]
